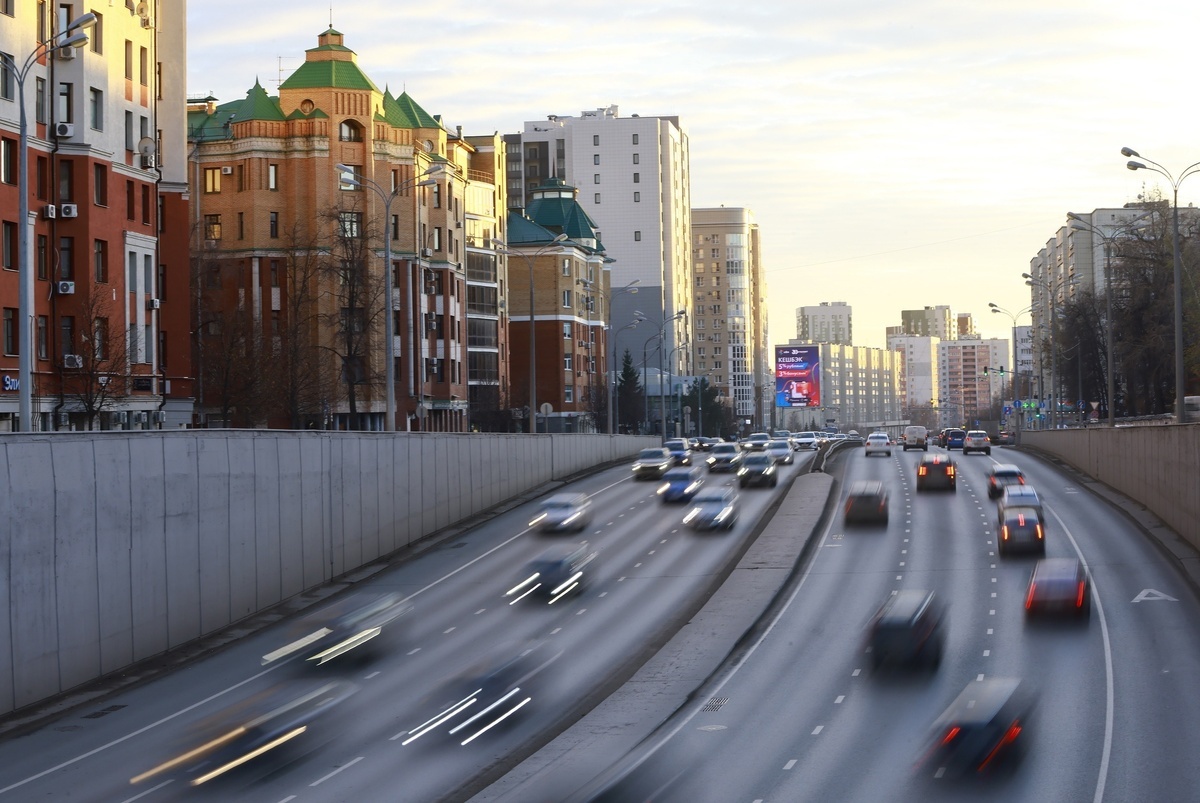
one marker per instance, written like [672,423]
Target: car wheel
[774,483]
[988,451]
[924,448]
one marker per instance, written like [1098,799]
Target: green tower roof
[258,105]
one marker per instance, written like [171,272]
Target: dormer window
[350,131]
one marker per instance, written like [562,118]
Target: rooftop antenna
[279,80]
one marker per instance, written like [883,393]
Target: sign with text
[797,376]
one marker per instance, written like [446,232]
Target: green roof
[413,112]
[328,74]
[562,214]
[258,105]
[523,231]
[205,127]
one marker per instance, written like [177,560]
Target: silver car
[781,450]
[713,508]
[563,513]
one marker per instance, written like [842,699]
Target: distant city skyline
[894,155]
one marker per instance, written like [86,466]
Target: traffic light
[1001,370]
[985,370]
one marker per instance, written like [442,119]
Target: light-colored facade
[967,394]
[917,364]
[828,322]
[728,325]
[633,177]
[107,185]
[928,322]
[860,389]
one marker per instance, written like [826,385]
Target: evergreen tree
[629,395]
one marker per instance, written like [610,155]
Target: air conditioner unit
[72,361]
[582,344]
[121,418]
[426,252]
[139,418]
[64,130]
[146,23]
[147,162]
[458,224]
[66,288]
[160,416]
[66,52]
[227,171]
[69,210]
[431,324]
[153,303]
[50,212]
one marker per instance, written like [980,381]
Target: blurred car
[976,440]
[489,692]
[756,442]
[936,471]
[1020,496]
[348,627]
[680,484]
[916,437]
[781,434]
[652,464]
[1001,476]
[1021,529]
[1058,585]
[563,512]
[878,443]
[866,501]
[705,444]
[984,728]
[554,574]
[713,508]
[758,468]
[907,631]
[954,438]
[725,457]
[854,437]
[248,730]
[806,440]
[681,453]
[781,450]
[1005,438]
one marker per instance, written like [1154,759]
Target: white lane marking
[906,540]
[904,552]
[993,579]
[901,563]
[837,700]
[987,653]
[450,630]
[1149,595]
[373,674]
[345,766]
[148,791]
[651,552]
[481,610]
[663,541]
[993,595]
[941,771]
[979,676]
[619,579]
[604,593]
[790,764]
[413,651]
[581,612]
[992,612]
[993,565]
[899,577]
[1106,753]
[989,631]
[555,630]
[856,673]
[288,798]
[818,729]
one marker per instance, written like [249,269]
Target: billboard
[797,376]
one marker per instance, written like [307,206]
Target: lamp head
[88,20]
[1026,276]
[560,238]
[1129,152]
[1132,165]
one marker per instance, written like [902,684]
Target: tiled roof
[258,105]
[420,117]
[523,231]
[203,126]
[562,214]
[328,74]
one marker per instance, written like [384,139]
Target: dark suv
[981,730]
[936,471]
[907,631]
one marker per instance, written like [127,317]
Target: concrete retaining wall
[1157,466]
[115,547]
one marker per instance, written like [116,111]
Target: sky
[895,154]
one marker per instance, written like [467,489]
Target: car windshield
[724,448]
[758,460]
[650,454]
[714,496]
[676,445]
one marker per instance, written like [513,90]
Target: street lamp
[1015,371]
[645,377]
[1077,223]
[671,378]
[632,289]
[349,176]
[612,392]
[1180,385]
[662,400]
[550,248]
[1032,282]
[74,35]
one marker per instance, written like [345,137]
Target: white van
[916,437]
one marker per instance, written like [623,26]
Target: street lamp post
[662,400]
[645,376]
[349,176]
[551,248]
[632,289]
[1015,369]
[1032,282]
[612,417]
[1180,383]
[670,378]
[74,35]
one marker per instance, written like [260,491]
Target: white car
[805,440]
[977,441]
[878,443]
[781,450]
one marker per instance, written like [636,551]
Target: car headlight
[741,471]
[711,460]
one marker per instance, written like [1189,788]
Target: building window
[66,329]
[637,236]
[569,394]
[97,109]
[637,158]
[567,362]
[436,191]
[66,180]
[350,131]
[596,159]
[100,184]
[144,67]
[212,227]
[532,152]
[350,179]
[596,199]
[146,204]
[566,299]
[241,225]
[39,111]
[42,255]
[128,60]
[10,331]
[96,35]
[596,178]
[99,337]
[596,141]
[637,178]
[566,330]
[10,245]
[566,267]
[100,260]
[6,76]
[66,106]
[637,197]
[272,177]
[8,161]
[436,237]
[66,258]
[43,337]
[129,131]
[349,224]
[274,224]
[6,7]
[395,227]
[212,179]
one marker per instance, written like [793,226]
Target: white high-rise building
[828,322]
[633,178]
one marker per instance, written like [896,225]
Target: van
[916,437]
[1191,409]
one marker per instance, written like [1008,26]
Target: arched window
[350,131]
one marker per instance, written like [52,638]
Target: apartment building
[562,304]
[917,367]
[299,201]
[967,395]
[928,322]
[106,181]
[860,389]
[827,322]
[633,178]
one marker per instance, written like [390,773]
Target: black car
[681,451]
[758,468]
[556,573]
[1058,586]
[983,729]
[936,471]
[681,484]
[907,631]
[1021,529]
[725,457]
[1003,474]
[866,501]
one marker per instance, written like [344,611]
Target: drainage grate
[103,712]
[715,704]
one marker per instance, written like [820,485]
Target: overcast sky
[895,154]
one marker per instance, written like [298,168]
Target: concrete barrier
[1157,466]
[116,547]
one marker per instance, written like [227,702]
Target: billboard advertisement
[797,376]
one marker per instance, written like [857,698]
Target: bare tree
[96,377]
[301,382]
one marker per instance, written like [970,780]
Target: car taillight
[1020,480]
[951,735]
[1080,594]
[1029,596]
[1039,532]
[922,471]
[1004,532]
[949,471]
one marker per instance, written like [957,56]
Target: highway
[800,716]
[387,732]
